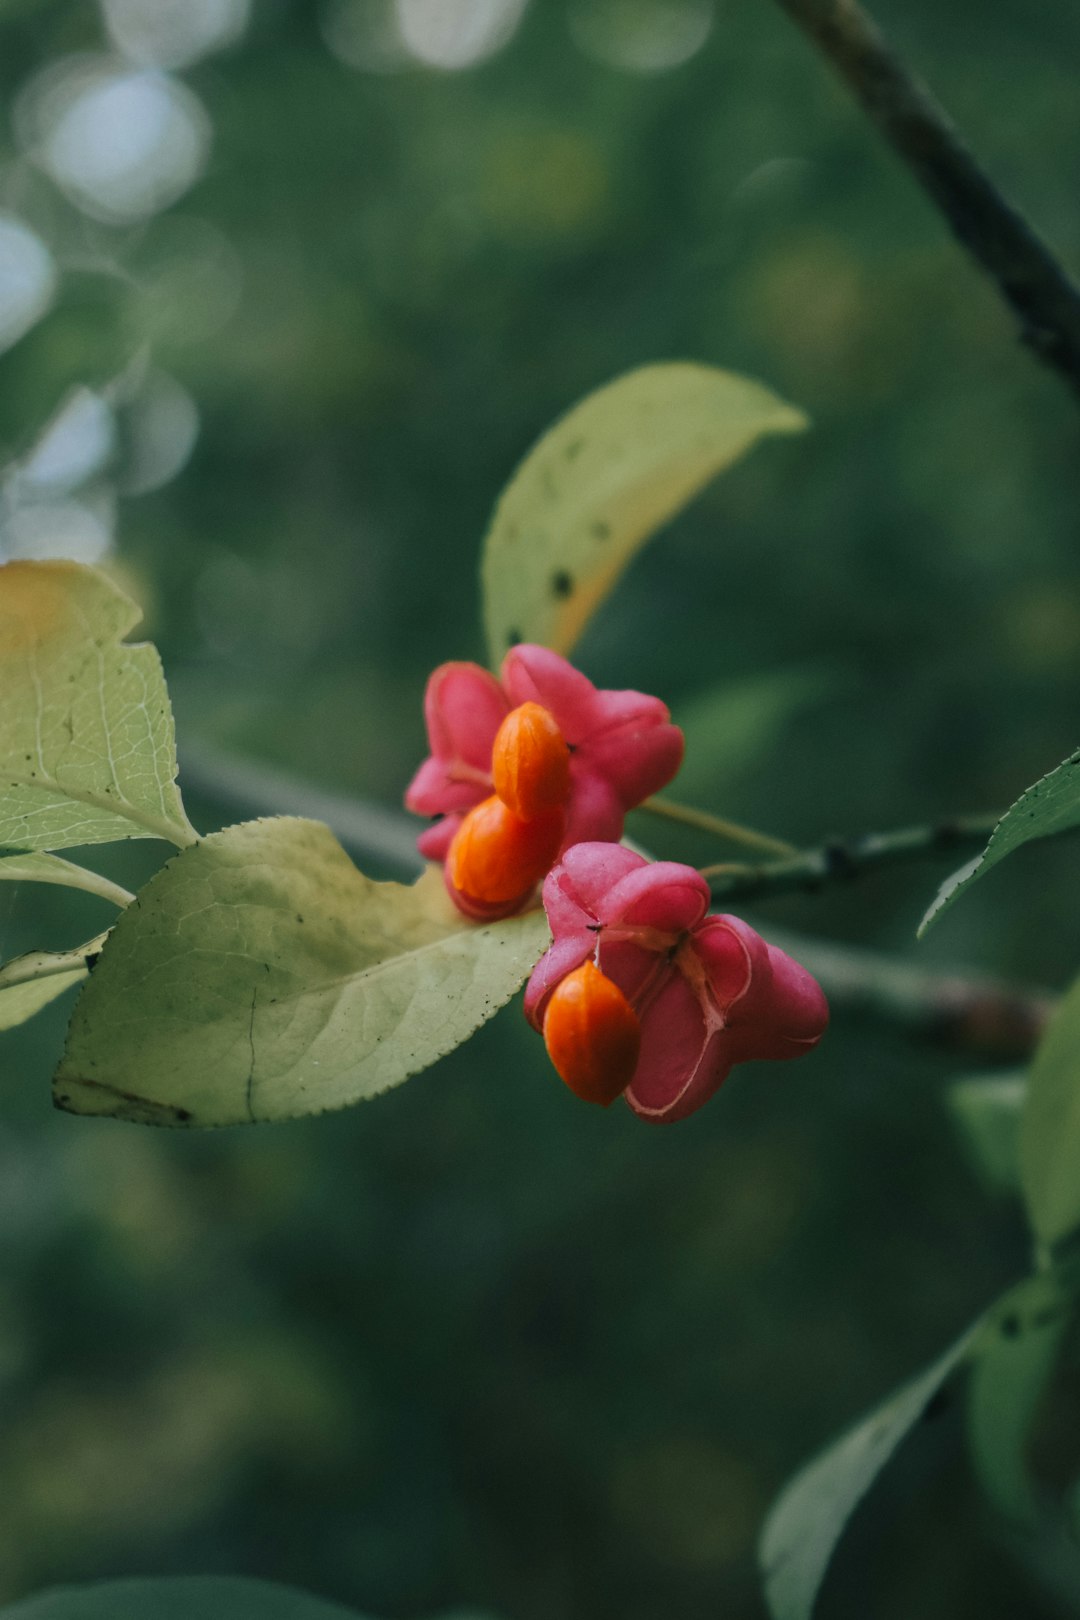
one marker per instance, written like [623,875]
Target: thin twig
[703,821]
[812,869]
[1043,297]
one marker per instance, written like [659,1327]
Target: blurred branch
[956,1008]
[842,860]
[1045,300]
[951,1007]
[367,831]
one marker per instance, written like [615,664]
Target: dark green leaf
[1050,1127]
[1051,805]
[808,1518]
[1014,1362]
[987,1110]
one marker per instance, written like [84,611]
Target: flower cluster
[642,994]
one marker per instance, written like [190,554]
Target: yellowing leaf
[28,983]
[260,976]
[601,481]
[86,734]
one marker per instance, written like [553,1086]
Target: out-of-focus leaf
[601,481]
[183,1597]
[35,867]
[1010,1373]
[730,727]
[1051,805]
[260,976]
[987,1110]
[86,732]
[1050,1126]
[28,983]
[808,1518]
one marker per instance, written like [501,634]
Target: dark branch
[1044,299]
[838,862]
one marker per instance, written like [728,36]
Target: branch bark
[1042,296]
[845,859]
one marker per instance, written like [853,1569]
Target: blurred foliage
[474,1343]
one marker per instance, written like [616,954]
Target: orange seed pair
[506,844]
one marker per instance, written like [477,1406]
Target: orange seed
[497,858]
[592,1035]
[530,762]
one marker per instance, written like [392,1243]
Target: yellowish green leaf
[260,976]
[28,983]
[86,734]
[600,482]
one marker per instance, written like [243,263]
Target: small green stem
[703,821]
[812,869]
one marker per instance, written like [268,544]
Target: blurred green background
[322,272]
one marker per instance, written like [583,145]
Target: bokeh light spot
[173,33]
[641,36]
[455,34]
[27,279]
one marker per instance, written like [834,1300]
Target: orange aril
[530,762]
[592,1035]
[496,858]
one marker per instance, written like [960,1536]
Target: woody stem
[844,859]
[1041,295]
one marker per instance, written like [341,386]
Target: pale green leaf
[809,1516]
[1010,1373]
[86,733]
[1051,805]
[600,482]
[260,976]
[183,1597]
[987,1110]
[1050,1126]
[28,983]
[33,866]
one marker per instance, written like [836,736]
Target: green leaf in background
[986,1109]
[1051,805]
[809,1516]
[86,732]
[1007,1381]
[35,867]
[1050,1126]
[730,727]
[28,983]
[600,482]
[260,976]
[185,1597]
